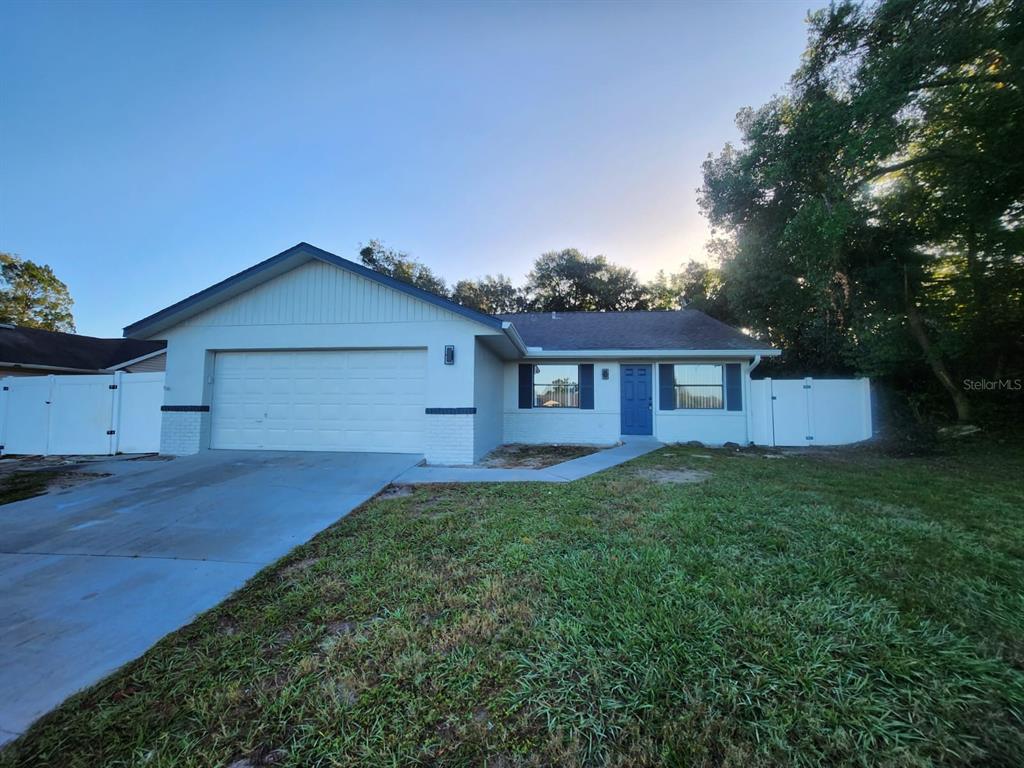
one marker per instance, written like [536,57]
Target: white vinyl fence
[101,414]
[810,411]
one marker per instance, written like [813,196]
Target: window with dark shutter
[733,387]
[587,386]
[666,388]
[525,385]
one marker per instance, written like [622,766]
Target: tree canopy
[32,296]
[401,266]
[566,281]
[494,295]
[561,281]
[873,214]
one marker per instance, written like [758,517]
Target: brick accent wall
[450,438]
[184,432]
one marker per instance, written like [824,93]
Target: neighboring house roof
[36,348]
[278,265]
[687,329]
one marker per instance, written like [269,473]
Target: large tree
[32,296]
[699,285]
[401,266]
[875,211]
[566,280]
[493,295]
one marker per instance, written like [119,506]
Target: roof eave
[136,360]
[50,368]
[644,353]
[514,337]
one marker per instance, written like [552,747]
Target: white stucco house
[309,351]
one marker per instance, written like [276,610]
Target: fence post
[3,413]
[869,431]
[809,404]
[115,412]
[51,389]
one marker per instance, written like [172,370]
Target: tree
[566,281]
[491,295]
[32,296]
[698,285]
[401,266]
[875,212]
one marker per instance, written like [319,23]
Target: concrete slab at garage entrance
[91,577]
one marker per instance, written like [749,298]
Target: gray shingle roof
[687,329]
[34,346]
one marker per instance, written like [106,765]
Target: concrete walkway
[92,576]
[565,472]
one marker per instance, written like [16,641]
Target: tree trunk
[935,362]
[976,271]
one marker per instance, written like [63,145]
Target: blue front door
[637,416]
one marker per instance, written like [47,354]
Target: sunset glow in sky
[149,150]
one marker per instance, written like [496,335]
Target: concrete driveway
[93,576]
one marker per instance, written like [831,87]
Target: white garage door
[320,401]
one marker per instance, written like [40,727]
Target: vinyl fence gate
[93,414]
[795,412]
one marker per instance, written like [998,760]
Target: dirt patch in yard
[293,569]
[675,476]
[395,492]
[534,456]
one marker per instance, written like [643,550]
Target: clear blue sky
[149,150]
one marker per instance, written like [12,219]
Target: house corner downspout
[748,399]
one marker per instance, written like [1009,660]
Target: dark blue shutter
[525,385]
[733,387]
[666,387]
[587,386]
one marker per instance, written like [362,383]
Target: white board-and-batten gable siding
[319,293]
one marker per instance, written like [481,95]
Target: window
[699,386]
[556,386]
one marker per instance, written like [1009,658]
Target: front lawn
[844,609]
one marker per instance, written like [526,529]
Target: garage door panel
[370,400]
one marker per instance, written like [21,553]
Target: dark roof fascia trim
[139,359]
[50,368]
[321,255]
[541,354]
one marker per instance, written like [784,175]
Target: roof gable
[687,329]
[261,273]
[316,293]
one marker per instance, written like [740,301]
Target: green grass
[849,610]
